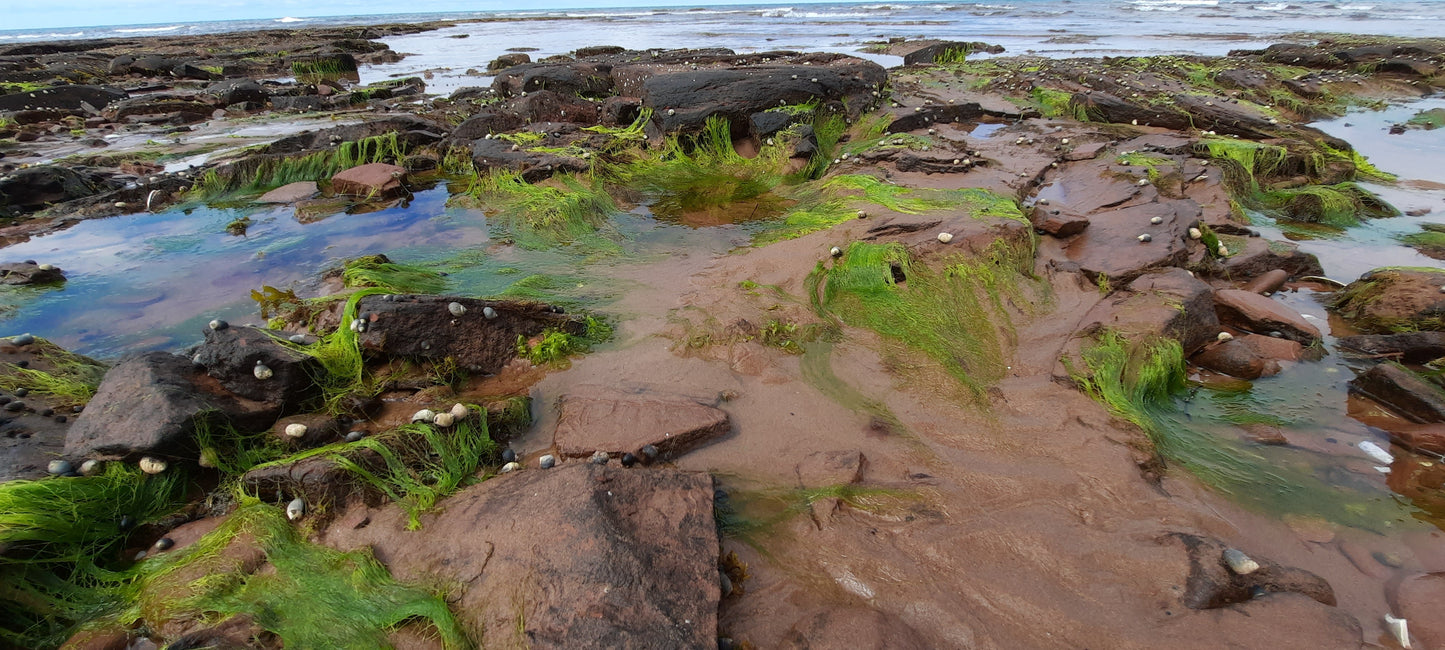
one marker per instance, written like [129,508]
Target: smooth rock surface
[372,180]
[1253,312]
[597,418]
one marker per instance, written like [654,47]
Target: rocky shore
[981,283]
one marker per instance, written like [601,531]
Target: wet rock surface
[1262,315]
[1406,392]
[1250,356]
[424,327]
[1213,584]
[647,578]
[254,364]
[1388,300]
[596,418]
[14,273]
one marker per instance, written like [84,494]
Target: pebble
[1146,238]
[164,543]
[353,436]
[489,313]
[22,392]
[725,583]
[510,467]
[648,453]
[298,338]
[296,509]
[126,522]
[59,466]
[547,462]
[508,455]
[456,308]
[91,467]
[945,237]
[219,324]
[23,339]
[628,460]
[1239,563]
[295,430]
[15,405]
[1225,336]
[152,465]
[599,457]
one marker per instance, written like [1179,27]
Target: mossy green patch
[567,209]
[71,380]
[378,272]
[702,173]
[271,171]
[556,347]
[956,316]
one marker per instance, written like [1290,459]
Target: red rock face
[1253,312]
[373,180]
[582,556]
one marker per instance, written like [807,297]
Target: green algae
[71,381]
[272,171]
[376,271]
[566,210]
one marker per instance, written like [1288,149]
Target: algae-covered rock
[1397,299]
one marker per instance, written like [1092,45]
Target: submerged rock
[1403,391]
[25,273]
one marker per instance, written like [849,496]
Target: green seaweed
[567,210]
[695,174]
[376,271]
[555,347]
[71,381]
[269,172]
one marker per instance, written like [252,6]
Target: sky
[29,14]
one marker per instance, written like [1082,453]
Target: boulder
[321,429]
[1211,584]
[1394,299]
[1419,599]
[930,52]
[150,405]
[488,120]
[320,480]
[549,106]
[230,355]
[1268,283]
[1408,347]
[1261,256]
[1255,313]
[508,60]
[1250,356]
[290,193]
[532,165]
[1412,396]
[372,181]
[581,556]
[423,327]
[69,97]
[594,419]
[26,273]
[235,91]
[1058,223]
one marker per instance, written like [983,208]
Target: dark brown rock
[320,480]
[1262,256]
[508,60]
[1426,438]
[372,180]
[532,165]
[1058,223]
[585,78]
[320,429]
[682,101]
[1211,584]
[422,327]
[151,404]
[1255,313]
[930,50]
[592,418]
[581,556]
[70,96]
[230,355]
[1407,347]
[1403,391]
[34,188]
[235,91]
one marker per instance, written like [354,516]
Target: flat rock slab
[1168,302]
[423,327]
[1402,390]
[1250,356]
[287,194]
[595,418]
[1255,313]
[581,556]
[1110,245]
[1412,347]
[372,180]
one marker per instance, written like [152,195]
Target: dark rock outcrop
[682,101]
[70,97]
[1389,300]
[235,91]
[230,356]
[27,273]
[1408,347]
[423,327]
[33,188]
